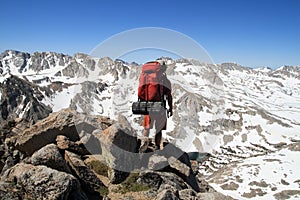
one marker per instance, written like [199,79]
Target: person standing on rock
[155,89]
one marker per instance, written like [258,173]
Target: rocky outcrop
[88,179]
[21,99]
[75,69]
[52,160]
[41,182]
[89,91]
[50,157]
[67,123]
[64,143]
[119,147]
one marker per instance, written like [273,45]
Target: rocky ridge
[51,160]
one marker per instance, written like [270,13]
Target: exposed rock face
[119,145]
[50,157]
[77,147]
[84,100]
[74,69]
[54,166]
[9,191]
[87,177]
[45,132]
[213,196]
[167,194]
[21,99]
[41,182]
[66,122]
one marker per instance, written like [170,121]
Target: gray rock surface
[45,132]
[50,156]
[89,180]
[119,148]
[20,98]
[41,182]
[64,143]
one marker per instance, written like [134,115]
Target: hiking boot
[157,148]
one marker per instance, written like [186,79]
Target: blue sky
[253,33]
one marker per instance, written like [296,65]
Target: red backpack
[151,82]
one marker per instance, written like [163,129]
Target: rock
[230,186]
[187,194]
[151,179]
[179,166]
[286,194]
[50,157]
[294,146]
[119,148]
[66,122]
[173,180]
[45,132]
[62,142]
[12,158]
[166,185]
[41,182]
[75,69]
[204,186]
[9,191]
[162,180]
[157,162]
[167,195]
[65,144]
[21,98]
[89,180]
[213,196]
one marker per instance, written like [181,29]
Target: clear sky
[252,33]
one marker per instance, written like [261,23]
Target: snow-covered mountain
[248,119]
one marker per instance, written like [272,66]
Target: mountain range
[246,119]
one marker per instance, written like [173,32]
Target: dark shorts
[160,121]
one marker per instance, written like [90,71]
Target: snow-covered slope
[248,119]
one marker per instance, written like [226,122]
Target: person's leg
[158,137]
[160,124]
[145,141]
[146,132]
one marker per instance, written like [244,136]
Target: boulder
[12,157]
[187,194]
[119,148]
[66,122]
[50,157]
[88,179]
[213,196]
[157,162]
[64,143]
[167,195]
[45,132]
[9,191]
[179,163]
[41,182]
[162,180]
[152,179]
[180,166]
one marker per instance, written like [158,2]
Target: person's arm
[169,97]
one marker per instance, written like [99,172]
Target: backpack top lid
[154,66]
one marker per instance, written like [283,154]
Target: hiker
[159,119]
